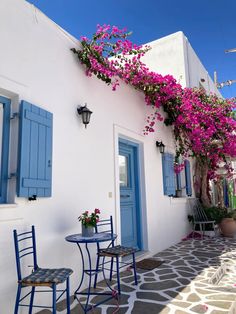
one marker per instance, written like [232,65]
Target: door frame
[121,134]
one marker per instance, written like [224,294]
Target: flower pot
[228,227]
[87,231]
[178,193]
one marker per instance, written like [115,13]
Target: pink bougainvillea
[205,128]
[204,125]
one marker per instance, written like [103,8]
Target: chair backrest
[198,211]
[25,246]
[105,225]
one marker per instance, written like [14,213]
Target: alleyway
[198,276]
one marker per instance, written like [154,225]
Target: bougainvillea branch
[203,125]
[110,56]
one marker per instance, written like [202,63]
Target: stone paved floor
[198,276]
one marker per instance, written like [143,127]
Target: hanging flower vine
[110,56]
[204,125]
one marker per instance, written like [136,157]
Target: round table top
[97,237]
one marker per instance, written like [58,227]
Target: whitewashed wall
[167,56]
[196,71]
[174,55]
[36,65]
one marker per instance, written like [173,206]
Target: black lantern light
[85,114]
[161,147]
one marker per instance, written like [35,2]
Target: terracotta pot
[228,227]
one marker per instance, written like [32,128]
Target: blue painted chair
[25,250]
[115,252]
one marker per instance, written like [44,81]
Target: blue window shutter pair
[188,178]
[6,103]
[35,152]
[168,174]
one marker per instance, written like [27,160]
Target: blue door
[129,194]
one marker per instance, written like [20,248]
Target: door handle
[125,196]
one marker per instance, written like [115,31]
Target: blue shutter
[4,149]
[35,151]
[188,178]
[168,174]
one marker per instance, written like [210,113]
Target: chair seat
[205,222]
[47,276]
[117,250]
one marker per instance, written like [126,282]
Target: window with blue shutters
[34,173]
[34,170]
[176,184]
[5,111]
[168,174]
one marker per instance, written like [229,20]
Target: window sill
[176,200]
[7,205]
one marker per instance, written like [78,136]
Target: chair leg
[194,227]
[96,275]
[214,228]
[31,300]
[200,225]
[54,297]
[111,268]
[118,273]
[17,299]
[203,228]
[68,295]
[134,269]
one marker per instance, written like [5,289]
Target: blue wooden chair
[25,250]
[115,252]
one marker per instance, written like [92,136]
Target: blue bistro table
[96,238]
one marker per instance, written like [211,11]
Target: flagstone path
[198,276]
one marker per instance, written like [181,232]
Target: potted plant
[225,218]
[88,221]
[178,193]
[228,225]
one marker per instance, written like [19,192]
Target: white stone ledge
[178,200]
[13,205]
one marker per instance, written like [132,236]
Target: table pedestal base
[91,291]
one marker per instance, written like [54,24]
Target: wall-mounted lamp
[161,147]
[85,114]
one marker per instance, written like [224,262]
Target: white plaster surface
[37,65]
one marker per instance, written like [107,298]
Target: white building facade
[89,166]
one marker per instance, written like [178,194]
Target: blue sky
[210,25]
